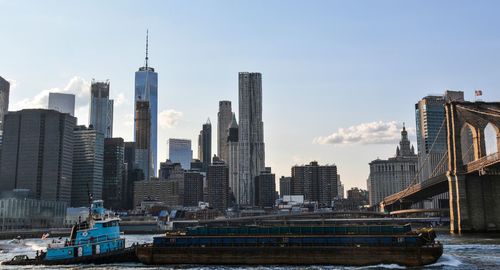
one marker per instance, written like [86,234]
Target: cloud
[378,132]
[169,118]
[120,99]
[76,85]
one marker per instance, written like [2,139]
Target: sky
[339,77]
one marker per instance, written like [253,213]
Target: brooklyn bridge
[469,175]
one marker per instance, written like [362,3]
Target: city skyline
[382,80]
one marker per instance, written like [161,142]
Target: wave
[447,260]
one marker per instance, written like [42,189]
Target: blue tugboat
[96,241]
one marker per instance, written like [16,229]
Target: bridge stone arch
[474,187]
[494,132]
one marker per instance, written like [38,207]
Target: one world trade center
[145,134]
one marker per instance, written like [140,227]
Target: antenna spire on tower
[147,38]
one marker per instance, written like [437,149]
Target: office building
[218,185]
[115,178]
[340,188]
[165,169]
[143,155]
[64,103]
[101,108]
[169,192]
[265,188]
[394,174]
[146,90]
[224,118]
[317,183]
[133,174]
[232,143]
[37,153]
[88,161]
[250,134]
[4,99]
[196,165]
[179,151]
[205,145]
[285,186]
[19,210]
[193,188]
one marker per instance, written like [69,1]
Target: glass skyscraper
[179,151]
[146,89]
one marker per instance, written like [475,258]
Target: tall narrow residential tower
[146,89]
[250,135]
[223,121]
[205,145]
[101,108]
[232,163]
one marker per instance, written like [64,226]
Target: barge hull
[310,255]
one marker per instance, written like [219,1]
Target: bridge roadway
[439,184]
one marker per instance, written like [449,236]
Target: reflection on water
[460,252]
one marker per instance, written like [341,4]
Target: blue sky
[353,69]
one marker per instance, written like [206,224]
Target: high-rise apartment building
[64,103]
[394,174]
[224,118]
[285,186]
[143,153]
[232,143]
[193,188]
[88,164]
[265,188]
[101,108]
[432,139]
[179,151]
[250,135]
[205,145]
[317,183]
[115,178]
[37,153]
[4,99]
[146,90]
[340,188]
[431,131]
[218,185]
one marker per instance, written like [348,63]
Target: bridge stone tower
[474,186]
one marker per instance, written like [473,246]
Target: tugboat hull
[305,255]
[118,256]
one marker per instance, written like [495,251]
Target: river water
[460,252]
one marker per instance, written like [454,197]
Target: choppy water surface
[460,252]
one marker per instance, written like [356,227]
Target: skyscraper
[285,186]
[432,139]
[88,159]
[232,162]
[114,179]
[133,174]
[218,185]
[146,89]
[143,153]
[224,118]
[64,103]
[205,145]
[37,153]
[179,151]
[193,188]
[250,134]
[394,174]
[4,99]
[101,108]
[265,188]
[431,131]
[316,182]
